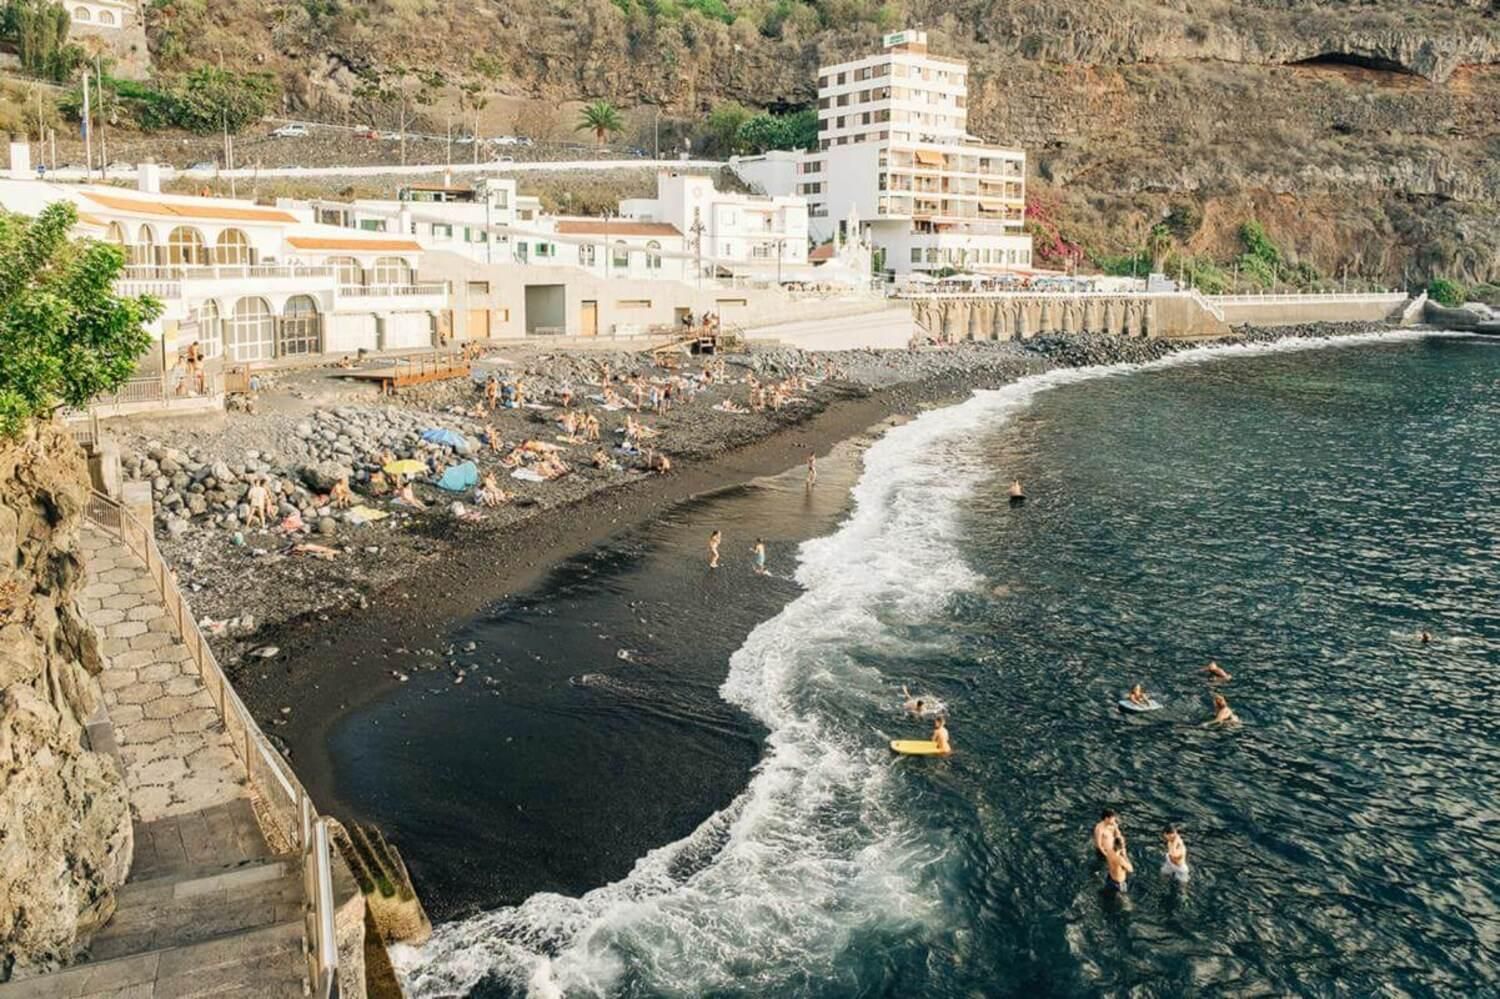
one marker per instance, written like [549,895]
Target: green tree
[39,31]
[601,118]
[724,123]
[1446,292]
[65,336]
[798,130]
[1158,244]
[209,99]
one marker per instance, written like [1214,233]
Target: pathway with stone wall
[177,756]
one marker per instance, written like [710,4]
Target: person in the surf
[812,467]
[911,705]
[1426,636]
[1175,864]
[1120,867]
[1016,492]
[940,737]
[1106,830]
[713,549]
[759,551]
[1214,671]
[1223,713]
[1138,696]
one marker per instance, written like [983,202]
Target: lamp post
[607,251]
[697,230]
[780,247]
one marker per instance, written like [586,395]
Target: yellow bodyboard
[915,747]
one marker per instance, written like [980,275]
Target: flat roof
[356,245]
[614,227]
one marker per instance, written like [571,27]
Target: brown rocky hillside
[1364,134]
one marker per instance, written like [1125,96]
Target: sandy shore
[395,587]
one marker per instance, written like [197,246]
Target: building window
[392,272]
[478,289]
[472,235]
[185,247]
[916,254]
[82,14]
[653,256]
[105,17]
[350,274]
[633,303]
[442,230]
[210,329]
[251,331]
[621,256]
[546,250]
[301,329]
[586,255]
[233,247]
[372,225]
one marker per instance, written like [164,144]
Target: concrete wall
[1017,315]
[1287,310]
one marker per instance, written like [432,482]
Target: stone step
[164,914]
[207,879]
[265,963]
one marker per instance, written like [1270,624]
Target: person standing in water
[940,737]
[1106,830]
[812,467]
[1016,492]
[713,549]
[1175,865]
[1223,713]
[760,556]
[1120,867]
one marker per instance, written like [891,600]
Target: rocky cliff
[65,835]
[1365,134]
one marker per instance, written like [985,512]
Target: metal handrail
[286,803]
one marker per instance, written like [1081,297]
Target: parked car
[390,135]
[505,140]
[294,130]
[121,166]
[502,159]
[367,133]
[203,165]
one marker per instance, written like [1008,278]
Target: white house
[730,231]
[107,15]
[894,148]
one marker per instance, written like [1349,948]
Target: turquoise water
[1298,515]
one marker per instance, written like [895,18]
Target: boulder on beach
[322,476]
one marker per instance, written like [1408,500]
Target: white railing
[285,803]
[152,287]
[223,272]
[381,290]
[1305,297]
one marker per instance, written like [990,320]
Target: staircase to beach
[211,907]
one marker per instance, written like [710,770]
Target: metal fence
[283,801]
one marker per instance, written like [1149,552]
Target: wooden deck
[419,370]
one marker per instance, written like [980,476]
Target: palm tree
[601,118]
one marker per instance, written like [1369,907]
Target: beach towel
[366,515]
[459,478]
[527,475]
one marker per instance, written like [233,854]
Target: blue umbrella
[449,438]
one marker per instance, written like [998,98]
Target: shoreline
[333,660]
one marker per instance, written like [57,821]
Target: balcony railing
[383,290]
[222,272]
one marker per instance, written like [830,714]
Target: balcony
[424,296]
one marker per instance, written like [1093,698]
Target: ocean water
[1297,514]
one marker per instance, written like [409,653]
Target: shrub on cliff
[65,336]
[1446,292]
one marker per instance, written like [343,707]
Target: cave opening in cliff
[1343,59]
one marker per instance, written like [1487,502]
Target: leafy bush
[797,130]
[1137,264]
[39,31]
[205,101]
[65,336]
[724,124]
[1446,292]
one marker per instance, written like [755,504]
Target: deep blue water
[1297,515]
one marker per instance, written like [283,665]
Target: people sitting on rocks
[661,464]
[489,492]
[346,362]
[406,495]
[341,497]
[604,462]
[551,467]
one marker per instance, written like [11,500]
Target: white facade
[104,14]
[252,283]
[737,232]
[894,150]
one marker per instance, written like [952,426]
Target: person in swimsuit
[760,556]
[713,549]
[1120,867]
[911,705]
[1105,831]
[1223,713]
[1016,492]
[940,737]
[812,468]
[1138,696]
[1214,671]
[1175,865]
[1426,637]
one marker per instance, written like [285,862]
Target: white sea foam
[769,890]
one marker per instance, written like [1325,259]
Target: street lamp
[780,247]
[608,251]
[697,230]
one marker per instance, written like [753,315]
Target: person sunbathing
[407,496]
[489,492]
[378,484]
[341,497]
[661,464]
[551,468]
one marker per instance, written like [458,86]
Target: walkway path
[177,757]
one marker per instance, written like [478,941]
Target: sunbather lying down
[728,406]
[489,492]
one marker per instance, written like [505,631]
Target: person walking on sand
[940,737]
[713,549]
[1214,671]
[812,467]
[759,551]
[258,499]
[1223,713]
[1175,864]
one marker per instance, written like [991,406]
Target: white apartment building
[728,231]
[895,152]
[251,283]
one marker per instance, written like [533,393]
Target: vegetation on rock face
[38,29]
[1446,292]
[207,100]
[65,336]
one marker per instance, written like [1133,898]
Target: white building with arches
[106,15]
[252,284]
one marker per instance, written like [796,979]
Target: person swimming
[1138,696]
[1016,493]
[1175,864]
[940,737]
[1425,636]
[1223,713]
[1214,671]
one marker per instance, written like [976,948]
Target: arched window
[185,247]
[82,14]
[301,328]
[115,234]
[392,272]
[105,17]
[653,256]
[210,329]
[233,247]
[586,255]
[351,275]
[621,256]
[145,249]
[250,334]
